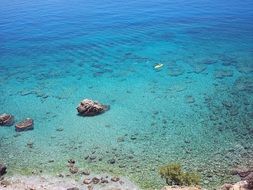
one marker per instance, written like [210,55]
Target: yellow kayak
[158,66]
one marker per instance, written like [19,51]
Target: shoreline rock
[89,107]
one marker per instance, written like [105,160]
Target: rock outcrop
[91,108]
[6,119]
[25,125]
[246,176]
[242,185]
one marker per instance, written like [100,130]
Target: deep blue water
[196,110]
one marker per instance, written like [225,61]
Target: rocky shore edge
[47,182]
[90,181]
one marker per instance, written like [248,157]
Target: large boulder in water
[6,119]
[91,108]
[24,125]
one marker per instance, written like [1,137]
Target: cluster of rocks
[8,120]
[91,180]
[85,108]
[91,108]
[100,180]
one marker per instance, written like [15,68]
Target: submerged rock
[87,181]
[6,119]
[244,68]
[4,183]
[73,188]
[220,74]
[199,68]
[73,170]
[244,84]
[208,61]
[3,169]
[180,188]
[91,108]
[176,71]
[189,99]
[115,179]
[25,125]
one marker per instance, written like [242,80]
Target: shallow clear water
[196,110]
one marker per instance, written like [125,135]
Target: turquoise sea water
[196,110]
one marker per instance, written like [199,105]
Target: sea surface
[196,110]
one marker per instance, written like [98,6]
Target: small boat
[158,66]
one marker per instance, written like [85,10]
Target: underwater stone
[244,84]
[73,170]
[25,125]
[189,99]
[5,183]
[208,61]
[111,161]
[104,180]
[3,169]
[85,172]
[244,68]
[227,104]
[6,119]
[95,180]
[234,112]
[87,181]
[120,139]
[115,179]
[91,108]
[199,68]
[73,188]
[71,161]
[176,71]
[175,187]
[220,74]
